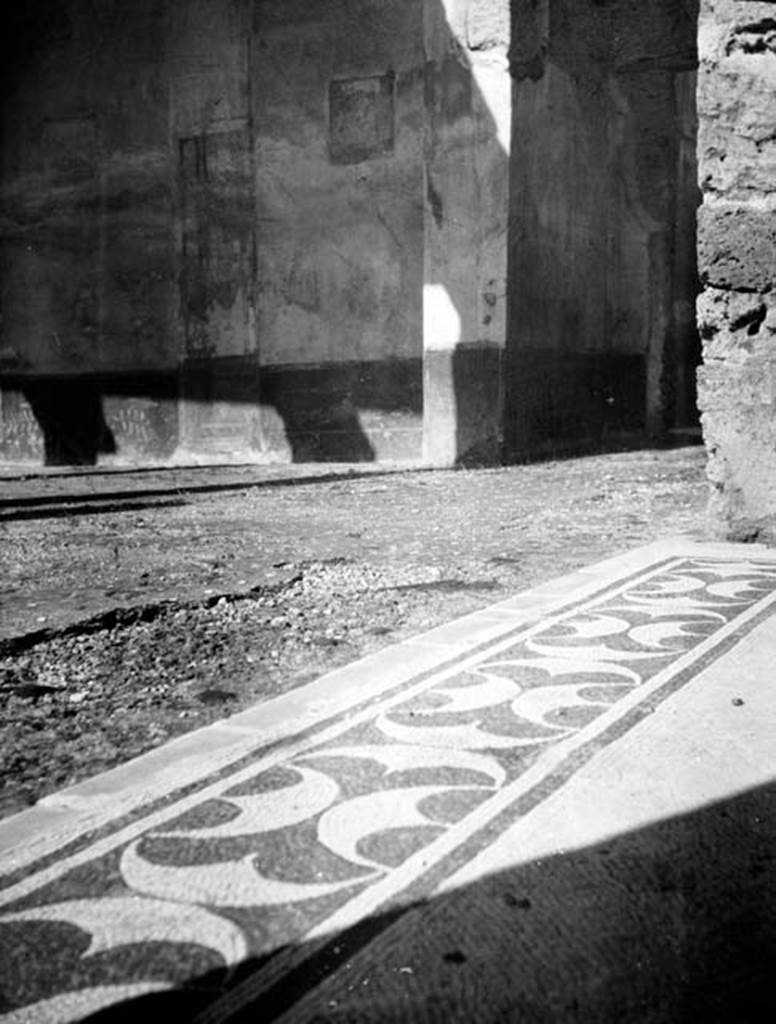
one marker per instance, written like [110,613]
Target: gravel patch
[124,630]
[102,696]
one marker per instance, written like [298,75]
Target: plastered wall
[265,229]
[212,230]
[338,110]
[466,196]
[603,196]
[354,230]
[88,260]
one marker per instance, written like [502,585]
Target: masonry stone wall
[737,263]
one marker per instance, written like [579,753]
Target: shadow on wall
[214,405]
[71,419]
[337,411]
[558,383]
[74,421]
[673,922]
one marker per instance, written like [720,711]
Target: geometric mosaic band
[231,894]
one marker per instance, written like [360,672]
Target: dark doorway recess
[602,343]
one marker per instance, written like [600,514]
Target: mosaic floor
[337,863]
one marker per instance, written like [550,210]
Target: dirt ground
[138,606]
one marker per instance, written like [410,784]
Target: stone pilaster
[737,263]
[466,168]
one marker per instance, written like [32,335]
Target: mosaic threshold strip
[220,895]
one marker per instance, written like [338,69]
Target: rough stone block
[721,87]
[734,166]
[737,390]
[733,325]
[737,247]
[487,24]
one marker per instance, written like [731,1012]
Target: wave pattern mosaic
[233,885]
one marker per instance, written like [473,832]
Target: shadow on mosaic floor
[672,922]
